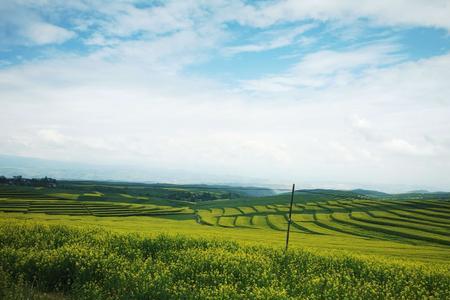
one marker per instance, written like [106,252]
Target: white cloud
[20,25]
[99,40]
[403,147]
[378,129]
[174,15]
[51,135]
[41,33]
[272,40]
[392,12]
[124,19]
[327,68]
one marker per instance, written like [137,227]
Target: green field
[343,244]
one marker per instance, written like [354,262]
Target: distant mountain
[363,193]
[422,195]
[370,193]
[418,192]
[331,193]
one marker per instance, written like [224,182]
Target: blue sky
[325,93]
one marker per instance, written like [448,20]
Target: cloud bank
[356,112]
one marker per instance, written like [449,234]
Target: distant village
[38,182]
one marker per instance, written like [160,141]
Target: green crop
[92,263]
[122,245]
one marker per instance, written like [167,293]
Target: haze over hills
[35,167]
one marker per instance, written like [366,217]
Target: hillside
[317,213]
[102,240]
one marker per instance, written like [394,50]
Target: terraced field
[37,203]
[409,221]
[343,245]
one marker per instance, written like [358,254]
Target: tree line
[19,180]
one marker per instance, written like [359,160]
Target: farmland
[343,244]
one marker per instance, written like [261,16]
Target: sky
[338,94]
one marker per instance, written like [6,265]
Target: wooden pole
[290,218]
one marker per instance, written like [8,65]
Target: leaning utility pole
[289,219]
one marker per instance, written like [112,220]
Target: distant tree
[19,180]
